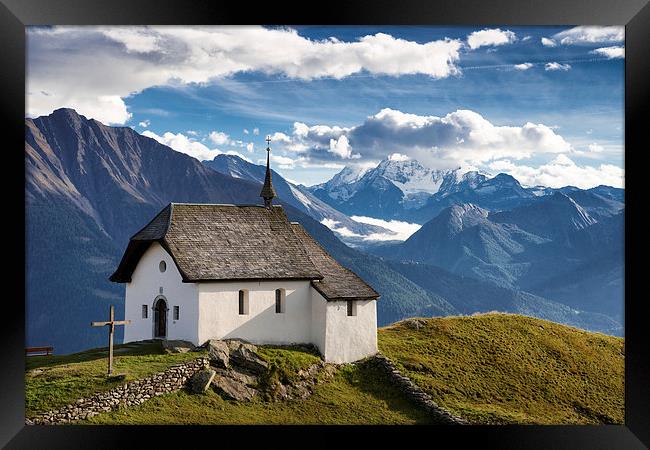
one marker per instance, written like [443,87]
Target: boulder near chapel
[208,271]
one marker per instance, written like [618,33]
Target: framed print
[390,216]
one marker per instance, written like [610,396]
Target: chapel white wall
[211,311]
[350,338]
[318,320]
[220,318]
[144,288]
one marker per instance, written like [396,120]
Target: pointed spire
[267,190]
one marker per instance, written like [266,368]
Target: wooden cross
[111,329]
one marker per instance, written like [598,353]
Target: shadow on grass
[371,379]
[133,349]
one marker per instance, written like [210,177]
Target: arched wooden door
[160,319]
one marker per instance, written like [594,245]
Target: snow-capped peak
[410,176]
[349,174]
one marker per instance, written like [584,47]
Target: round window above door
[162,266]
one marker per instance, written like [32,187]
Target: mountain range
[89,187]
[552,248]
[405,190]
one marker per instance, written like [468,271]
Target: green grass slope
[55,381]
[489,369]
[504,368]
[358,394]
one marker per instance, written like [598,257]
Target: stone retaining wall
[412,391]
[129,394]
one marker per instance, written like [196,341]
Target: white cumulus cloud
[219,138]
[280,137]
[489,37]
[557,66]
[398,157]
[562,171]
[341,147]
[546,42]
[461,137]
[121,61]
[610,52]
[523,66]
[183,144]
[590,35]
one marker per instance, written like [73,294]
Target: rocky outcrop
[416,324]
[177,346]
[237,368]
[244,355]
[129,394]
[218,353]
[242,374]
[417,395]
[303,387]
[233,389]
[200,381]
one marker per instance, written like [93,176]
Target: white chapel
[209,271]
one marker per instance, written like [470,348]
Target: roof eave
[340,298]
[218,280]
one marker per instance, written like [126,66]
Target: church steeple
[267,190]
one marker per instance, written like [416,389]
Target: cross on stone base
[111,330]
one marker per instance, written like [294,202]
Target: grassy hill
[505,368]
[491,368]
[54,381]
[358,394]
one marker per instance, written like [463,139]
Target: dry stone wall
[417,395]
[129,394]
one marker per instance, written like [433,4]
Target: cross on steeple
[267,190]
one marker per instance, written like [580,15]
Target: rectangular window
[176,312]
[279,301]
[352,308]
[243,302]
[145,311]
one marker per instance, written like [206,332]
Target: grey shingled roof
[338,283]
[211,242]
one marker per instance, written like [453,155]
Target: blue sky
[544,104]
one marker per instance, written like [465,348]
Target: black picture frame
[16,14]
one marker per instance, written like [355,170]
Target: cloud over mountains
[120,61]
[460,136]
[336,96]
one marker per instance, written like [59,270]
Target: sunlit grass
[504,368]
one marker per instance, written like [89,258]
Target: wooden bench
[39,351]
